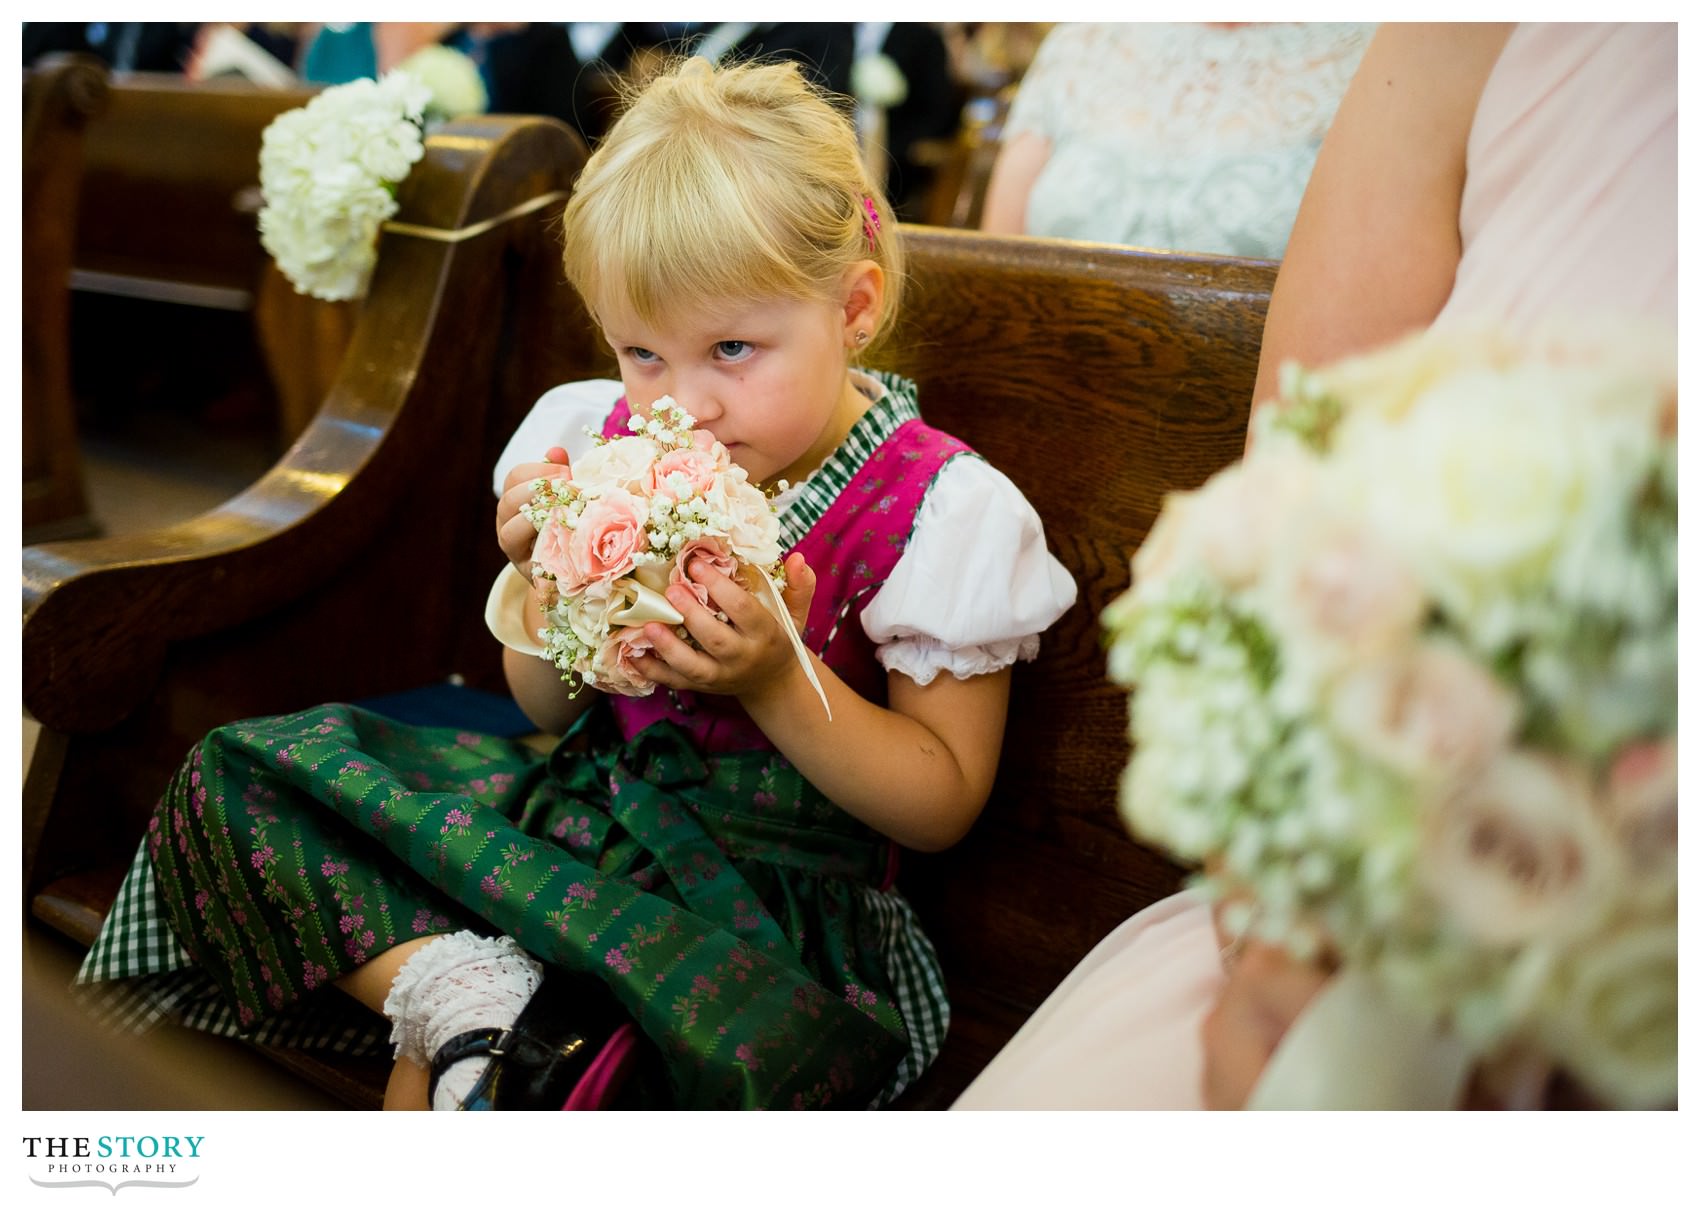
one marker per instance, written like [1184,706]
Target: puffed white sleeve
[559,419]
[976,584]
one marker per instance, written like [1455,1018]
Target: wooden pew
[61,96]
[168,206]
[1098,378]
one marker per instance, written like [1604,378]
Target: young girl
[699,879]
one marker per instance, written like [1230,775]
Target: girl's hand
[748,652]
[514,533]
[1265,992]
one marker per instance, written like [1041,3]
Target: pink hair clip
[871,224]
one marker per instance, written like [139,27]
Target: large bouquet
[635,515]
[1405,679]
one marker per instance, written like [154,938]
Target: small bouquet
[636,514]
[1406,679]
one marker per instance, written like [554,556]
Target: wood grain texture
[61,96]
[1098,379]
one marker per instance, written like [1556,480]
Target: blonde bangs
[675,235]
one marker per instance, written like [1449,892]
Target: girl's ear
[864,302]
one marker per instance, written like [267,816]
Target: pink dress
[1569,204]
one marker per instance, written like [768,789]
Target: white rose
[752,528]
[586,612]
[1477,485]
[1387,382]
[1429,712]
[622,463]
[1611,1015]
[1516,854]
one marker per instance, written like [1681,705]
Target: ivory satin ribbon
[504,615]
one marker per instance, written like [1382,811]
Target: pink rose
[701,549]
[554,552]
[1516,854]
[696,466]
[609,536]
[611,668]
[704,441]
[1431,713]
[1348,591]
[1640,802]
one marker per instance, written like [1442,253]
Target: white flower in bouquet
[328,172]
[1419,706]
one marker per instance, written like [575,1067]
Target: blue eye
[733,351]
[638,353]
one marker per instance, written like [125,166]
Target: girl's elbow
[948,826]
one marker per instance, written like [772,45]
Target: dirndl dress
[663,848]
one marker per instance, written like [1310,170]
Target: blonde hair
[732,183]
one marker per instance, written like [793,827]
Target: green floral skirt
[732,911]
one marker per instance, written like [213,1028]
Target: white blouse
[974,531]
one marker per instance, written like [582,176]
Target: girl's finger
[688,663]
[740,605]
[556,454]
[516,535]
[716,637]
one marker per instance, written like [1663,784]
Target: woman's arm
[1375,244]
[1019,163]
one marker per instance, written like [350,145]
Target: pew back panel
[1098,379]
[171,189]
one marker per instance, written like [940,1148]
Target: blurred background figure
[1191,137]
[905,94]
[124,46]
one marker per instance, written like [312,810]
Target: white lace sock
[457,982]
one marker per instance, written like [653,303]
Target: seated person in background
[125,46]
[1198,138]
[930,106]
[1474,170]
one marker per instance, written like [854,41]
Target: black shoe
[534,1064]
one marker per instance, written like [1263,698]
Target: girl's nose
[697,397]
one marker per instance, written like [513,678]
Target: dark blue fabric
[449,706]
